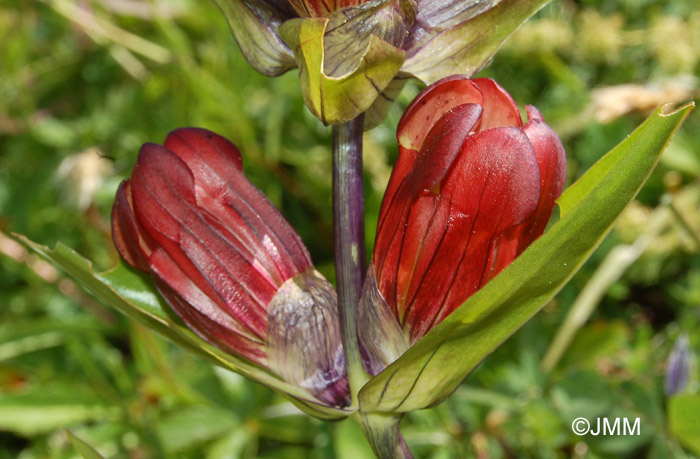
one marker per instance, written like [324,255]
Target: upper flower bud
[472,188]
[354,55]
[318,8]
[228,263]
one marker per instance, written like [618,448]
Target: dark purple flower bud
[679,363]
[228,263]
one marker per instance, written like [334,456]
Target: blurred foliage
[84,83]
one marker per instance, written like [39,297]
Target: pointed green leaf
[188,426]
[53,406]
[135,295]
[86,451]
[22,337]
[467,47]
[431,369]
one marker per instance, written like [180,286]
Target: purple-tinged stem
[382,431]
[349,235]
[384,435]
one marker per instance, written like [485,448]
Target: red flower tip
[319,8]
[472,188]
[226,260]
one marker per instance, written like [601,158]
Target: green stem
[384,435]
[349,235]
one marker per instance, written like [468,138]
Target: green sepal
[431,369]
[467,47]
[82,447]
[382,104]
[339,99]
[257,38]
[133,294]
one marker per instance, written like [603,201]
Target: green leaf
[86,451]
[135,295]
[189,426]
[684,421]
[22,337]
[467,47]
[430,370]
[48,409]
[235,444]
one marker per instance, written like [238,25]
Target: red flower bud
[472,188]
[318,8]
[228,263]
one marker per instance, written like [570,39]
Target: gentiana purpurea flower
[354,56]
[472,188]
[227,262]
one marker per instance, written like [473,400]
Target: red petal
[310,9]
[202,314]
[218,154]
[551,159]
[428,167]
[502,252]
[318,8]
[493,186]
[422,170]
[132,243]
[533,114]
[428,221]
[404,165]
[431,105]
[500,109]
[442,145]
[164,202]
[224,192]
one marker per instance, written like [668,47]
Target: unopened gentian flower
[227,262]
[472,188]
[679,365]
[354,55]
